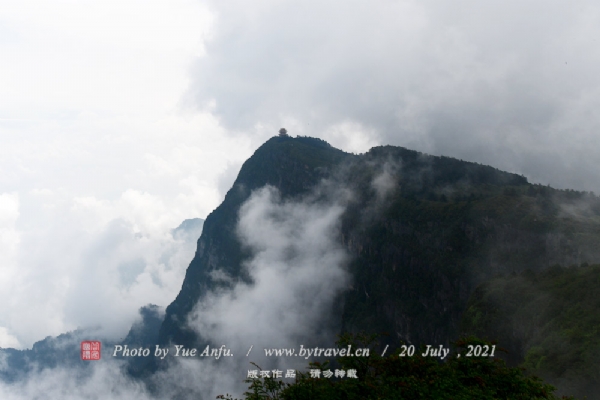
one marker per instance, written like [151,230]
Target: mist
[297,270]
[79,277]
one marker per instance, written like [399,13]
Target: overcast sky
[120,119]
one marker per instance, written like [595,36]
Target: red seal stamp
[90,350]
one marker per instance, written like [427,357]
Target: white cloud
[87,266]
[297,269]
[351,136]
[97,57]
[7,340]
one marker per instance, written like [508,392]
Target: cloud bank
[97,163]
[297,269]
[511,84]
[82,266]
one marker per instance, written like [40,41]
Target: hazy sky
[98,162]
[119,119]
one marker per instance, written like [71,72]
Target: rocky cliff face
[422,232]
[291,165]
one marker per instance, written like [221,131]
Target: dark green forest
[549,320]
